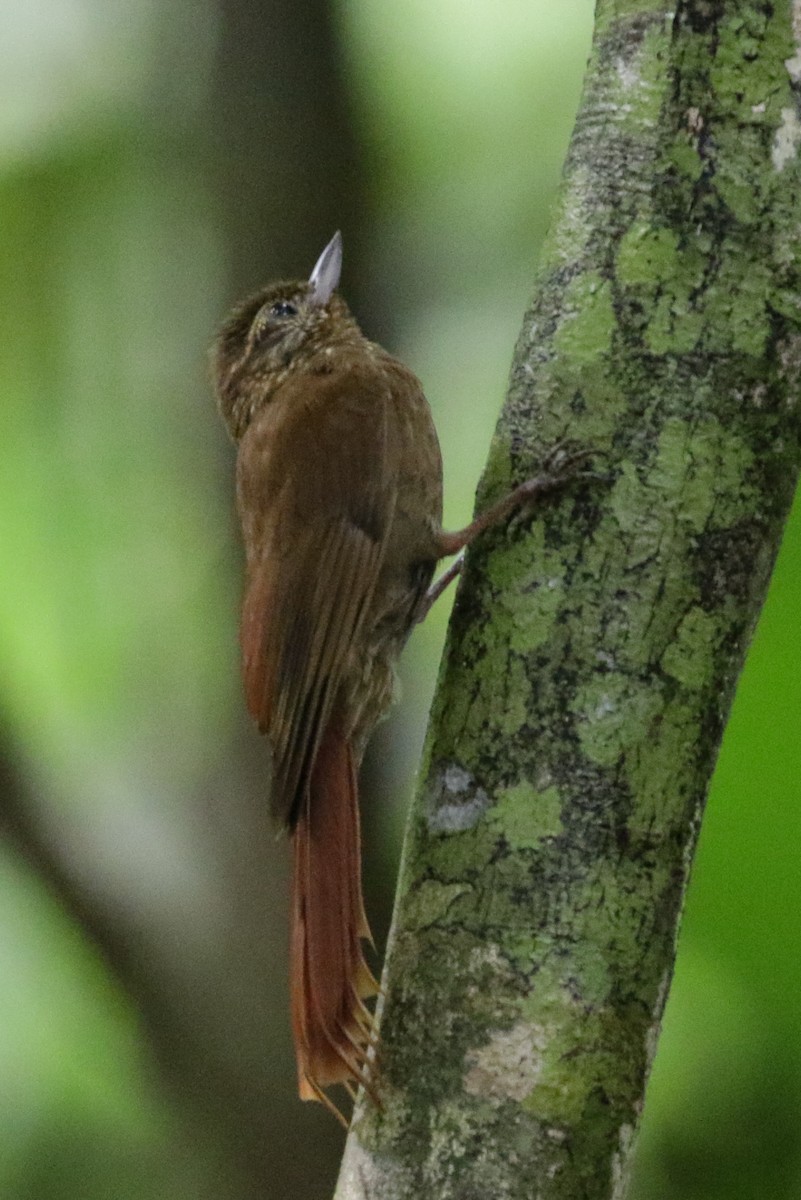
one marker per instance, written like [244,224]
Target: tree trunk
[595,647]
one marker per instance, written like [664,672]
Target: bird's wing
[316,494]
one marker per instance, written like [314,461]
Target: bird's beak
[325,276]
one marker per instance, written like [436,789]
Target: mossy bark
[594,648]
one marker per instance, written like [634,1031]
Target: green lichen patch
[587,1049]
[681,474]
[613,713]
[641,620]
[560,1092]
[455,857]
[430,902]
[675,327]
[736,307]
[492,704]
[684,156]
[736,188]
[509,710]
[647,254]
[612,938]
[751,46]
[526,815]
[585,333]
[660,774]
[636,510]
[528,581]
[690,658]
[700,469]
[580,1043]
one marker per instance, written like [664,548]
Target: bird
[339,494]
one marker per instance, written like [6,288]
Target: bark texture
[594,649]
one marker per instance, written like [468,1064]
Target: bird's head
[275,332]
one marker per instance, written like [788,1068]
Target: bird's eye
[282,308]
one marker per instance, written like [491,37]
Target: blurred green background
[157,161]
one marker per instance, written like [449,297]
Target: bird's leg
[560,468]
[438,587]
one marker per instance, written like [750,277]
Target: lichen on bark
[595,646]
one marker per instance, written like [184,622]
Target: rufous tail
[329,977]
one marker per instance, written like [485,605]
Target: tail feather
[329,977]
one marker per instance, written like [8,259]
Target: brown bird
[339,491]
